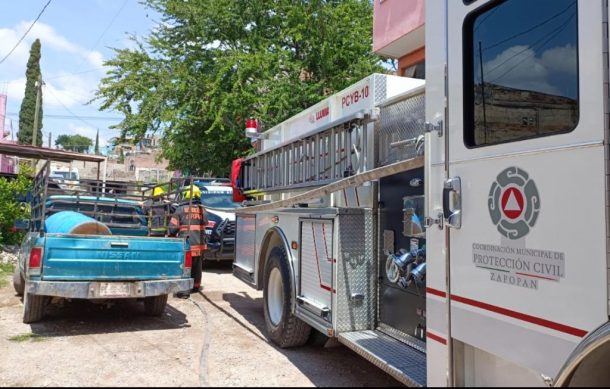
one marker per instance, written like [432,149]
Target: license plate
[115,289]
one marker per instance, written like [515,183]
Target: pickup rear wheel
[33,307]
[283,328]
[154,306]
[18,282]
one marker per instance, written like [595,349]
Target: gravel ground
[215,338]
[8,257]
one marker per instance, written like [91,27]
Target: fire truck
[454,231]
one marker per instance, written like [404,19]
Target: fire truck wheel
[154,306]
[18,282]
[283,328]
[33,307]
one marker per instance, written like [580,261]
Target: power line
[97,42]
[533,45]
[529,29]
[28,30]
[566,24]
[75,73]
[68,109]
[15,114]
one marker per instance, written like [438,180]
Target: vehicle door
[525,198]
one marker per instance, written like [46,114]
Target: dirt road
[213,339]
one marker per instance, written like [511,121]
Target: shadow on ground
[82,317]
[218,267]
[339,367]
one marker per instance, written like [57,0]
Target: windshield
[65,175]
[218,200]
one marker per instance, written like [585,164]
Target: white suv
[220,209]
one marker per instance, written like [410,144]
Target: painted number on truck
[355,97]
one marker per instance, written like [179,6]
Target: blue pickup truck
[124,262]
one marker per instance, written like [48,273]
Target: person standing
[157,212]
[189,221]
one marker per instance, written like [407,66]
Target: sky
[76,38]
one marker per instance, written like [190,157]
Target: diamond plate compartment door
[316,267]
[355,271]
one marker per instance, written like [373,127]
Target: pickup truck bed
[81,258]
[92,267]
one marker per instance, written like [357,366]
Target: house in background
[398,33]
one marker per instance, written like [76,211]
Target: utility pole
[483,93]
[49,139]
[35,129]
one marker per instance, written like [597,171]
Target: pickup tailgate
[86,258]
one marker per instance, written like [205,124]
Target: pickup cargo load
[118,260]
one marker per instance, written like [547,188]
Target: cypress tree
[97,143]
[28,104]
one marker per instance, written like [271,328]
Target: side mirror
[22,225]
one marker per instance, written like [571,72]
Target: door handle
[119,244]
[452,189]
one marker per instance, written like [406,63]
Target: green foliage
[26,337]
[121,159]
[6,270]
[97,143]
[211,64]
[10,208]
[28,104]
[77,142]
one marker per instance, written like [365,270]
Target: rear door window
[521,71]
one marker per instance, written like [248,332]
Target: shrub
[11,209]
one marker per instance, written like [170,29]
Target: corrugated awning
[34,152]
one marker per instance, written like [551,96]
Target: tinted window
[218,200]
[521,71]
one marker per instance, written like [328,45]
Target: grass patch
[6,269]
[26,337]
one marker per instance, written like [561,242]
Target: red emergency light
[251,128]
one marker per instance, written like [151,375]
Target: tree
[97,143]
[211,64]
[121,159]
[11,208]
[28,104]
[76,143]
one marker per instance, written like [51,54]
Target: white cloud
[519,67]
[52,42]
[9,38]
[560,59]
[70,91]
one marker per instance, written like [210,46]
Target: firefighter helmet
[191,189]
[158,191]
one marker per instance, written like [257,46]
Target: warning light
[251,128]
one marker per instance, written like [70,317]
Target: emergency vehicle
[453,231]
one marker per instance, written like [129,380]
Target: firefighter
[189,221]
[157,210]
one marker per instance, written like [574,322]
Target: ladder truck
[453,231]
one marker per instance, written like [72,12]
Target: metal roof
[26,151]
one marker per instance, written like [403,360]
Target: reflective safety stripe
[198,249]
[192,227]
